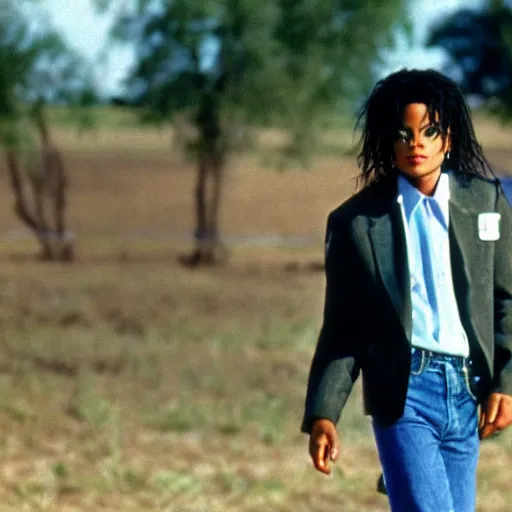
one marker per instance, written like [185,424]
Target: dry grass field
[128,382]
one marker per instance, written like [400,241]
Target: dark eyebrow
[435,123]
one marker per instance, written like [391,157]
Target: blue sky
[87,32]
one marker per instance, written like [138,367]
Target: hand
[496,414]
[324,445]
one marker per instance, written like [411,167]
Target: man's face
[419,148]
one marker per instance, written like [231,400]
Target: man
[418,297]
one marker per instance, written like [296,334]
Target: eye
[402,136]
[432,132]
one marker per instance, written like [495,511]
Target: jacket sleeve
[334,367]
[503,300]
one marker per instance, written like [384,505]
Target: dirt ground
[128,382]
[134,185]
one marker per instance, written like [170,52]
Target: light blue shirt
[436,322]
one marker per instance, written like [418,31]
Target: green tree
[225,63]
[479,44]
[37,68]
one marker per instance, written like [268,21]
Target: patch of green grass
[99,117]
[60,470]
[86,404]
[178,418]
[199,411]
[19,411]
[170,482]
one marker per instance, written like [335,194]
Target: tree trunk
[45,234]
[20,201]
[200,232]
[215,246]
[44,210]
[63,243]
[210,154]
[54,188]
[208,249]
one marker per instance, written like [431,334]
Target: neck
[425,184]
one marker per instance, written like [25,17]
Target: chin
[418,171]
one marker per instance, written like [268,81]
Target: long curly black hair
[381,117]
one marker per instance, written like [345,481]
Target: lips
[416,159]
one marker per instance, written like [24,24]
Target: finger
[318,450]
[488,430]
[482,422]
[335,447]
[326,457]
[493,406]
[322,460]
[504,417]
[316,443]
[314,446]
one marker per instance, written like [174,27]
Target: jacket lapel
[387,235]
[461,232]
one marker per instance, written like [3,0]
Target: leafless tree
[39,186]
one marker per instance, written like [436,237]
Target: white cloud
[79,23]
[87,32]
[413,53]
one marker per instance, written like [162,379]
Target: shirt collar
[410,196]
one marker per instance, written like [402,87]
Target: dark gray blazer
[368,314]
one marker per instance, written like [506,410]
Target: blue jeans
[429,456]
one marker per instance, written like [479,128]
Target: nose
[415,140]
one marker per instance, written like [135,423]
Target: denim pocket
[418,360]
[467,379]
